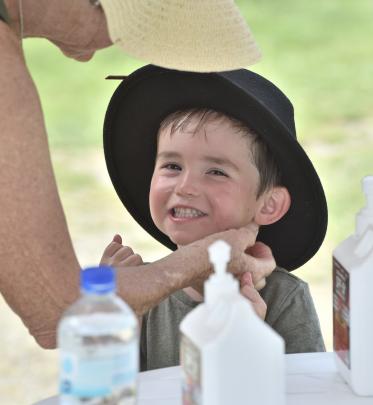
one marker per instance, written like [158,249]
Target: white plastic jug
[228,354]
[353,301]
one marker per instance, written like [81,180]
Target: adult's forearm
[143,287]
[38,267]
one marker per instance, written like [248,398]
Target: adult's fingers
[247,236]
[246,279]
[252,228]
[242,262]
[259,249]
[260,268]
[239,239]
[78,56]
[260,284]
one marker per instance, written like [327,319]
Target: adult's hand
[247,254]
[39,271]
[75,26]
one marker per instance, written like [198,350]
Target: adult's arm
[145,286]
[38,267]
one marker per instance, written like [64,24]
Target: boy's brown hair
[262,157]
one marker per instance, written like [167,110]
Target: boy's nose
[187,186]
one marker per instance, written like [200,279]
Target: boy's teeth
[187,213]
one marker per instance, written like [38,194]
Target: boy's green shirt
[290,312]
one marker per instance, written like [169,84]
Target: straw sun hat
[149,94]
[193,35]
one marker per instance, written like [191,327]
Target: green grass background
[319,53]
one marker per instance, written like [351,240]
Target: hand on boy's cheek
[256,259]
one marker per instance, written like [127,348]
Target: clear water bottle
[99,345]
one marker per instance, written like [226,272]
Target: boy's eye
[171,166]
[217,172]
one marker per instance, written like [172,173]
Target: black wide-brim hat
[148,95]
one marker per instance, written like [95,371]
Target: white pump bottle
[228,354]
[353,300]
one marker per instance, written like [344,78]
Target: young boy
[194,154]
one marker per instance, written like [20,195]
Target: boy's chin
[185,240]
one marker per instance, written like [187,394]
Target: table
[311,378]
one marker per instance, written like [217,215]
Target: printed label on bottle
[341,312]
[190,359]
[107,373]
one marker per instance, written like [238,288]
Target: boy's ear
[274,206]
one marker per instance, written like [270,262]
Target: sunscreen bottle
[228,354]
[353,301]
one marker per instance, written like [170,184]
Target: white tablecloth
[311,379]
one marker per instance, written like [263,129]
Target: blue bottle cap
[97,280]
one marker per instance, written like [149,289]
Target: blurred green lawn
[319,53]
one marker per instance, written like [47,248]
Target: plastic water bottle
[99,345]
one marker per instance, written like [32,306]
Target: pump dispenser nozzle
[365,217]
[219,254]
[221,282]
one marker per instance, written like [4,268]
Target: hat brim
[132,121]
[203,37]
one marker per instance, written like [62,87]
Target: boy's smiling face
[203,182]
